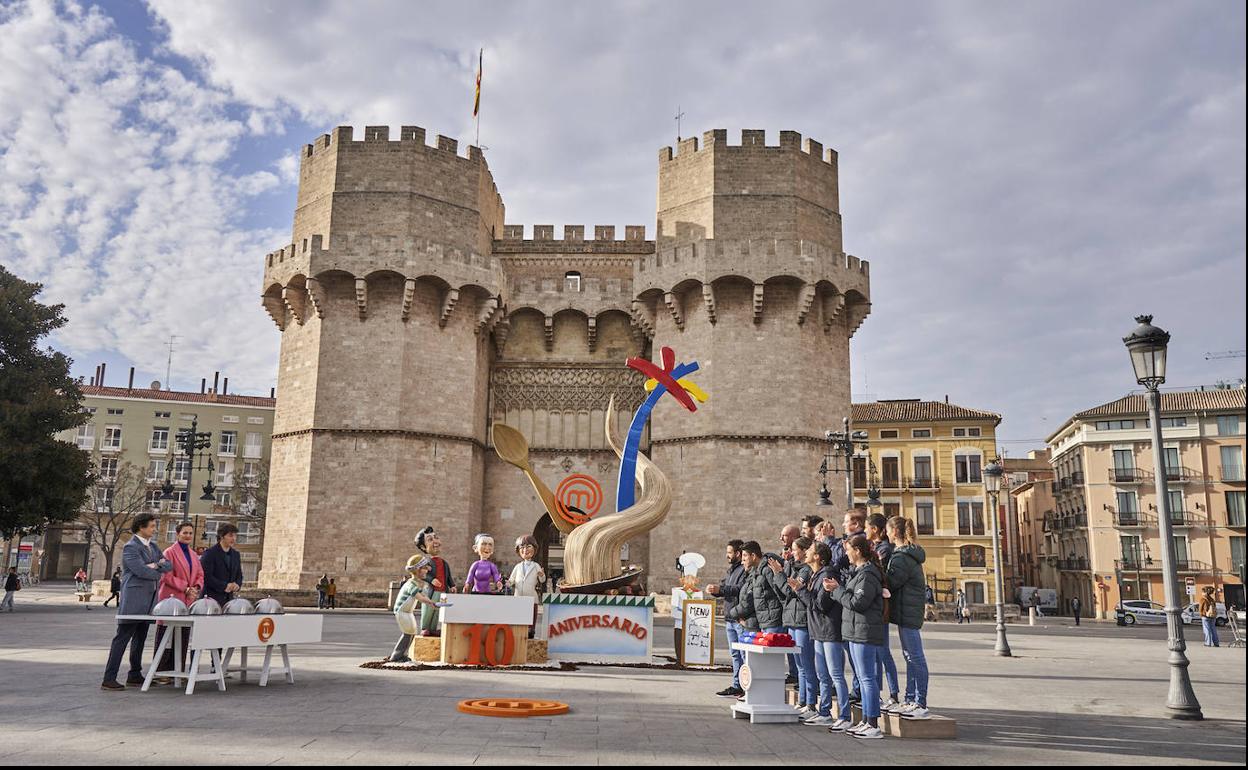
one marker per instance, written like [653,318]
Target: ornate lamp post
[1147,346]
[992,482]
[839,456]
[191,441]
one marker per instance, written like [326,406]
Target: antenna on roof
[169,362]
[679,115]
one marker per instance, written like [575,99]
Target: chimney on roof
[131,385]
[946,398]
[203,384]
[216,381]
[102,368]
[272,392]
[225,386]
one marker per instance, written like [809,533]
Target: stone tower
[412,318]
[749,276]
[385,299]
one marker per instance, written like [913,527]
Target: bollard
[1031,615]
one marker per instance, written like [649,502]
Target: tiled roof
[179,396]
[917,411]
[1179,401]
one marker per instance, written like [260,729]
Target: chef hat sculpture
[690,563]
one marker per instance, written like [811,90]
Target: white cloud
[115,197]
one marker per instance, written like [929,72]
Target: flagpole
[477,111]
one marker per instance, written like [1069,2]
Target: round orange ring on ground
[512,707]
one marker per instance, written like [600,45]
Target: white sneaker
[906,708]
[891,705]
[856,728]
[839,726]
[818,721]
[805,711]
[870,733]
[918,712]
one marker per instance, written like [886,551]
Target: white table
[220,636]
[762,678]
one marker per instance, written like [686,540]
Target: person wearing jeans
[1209,617]
[795,619]
[877,525]
[907,602]
[823,622]
[861,597]
[729,589]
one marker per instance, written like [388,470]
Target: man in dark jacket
[729,589]
[1076,608]
[142,566]
[114,587]
[223,566]
[761,607]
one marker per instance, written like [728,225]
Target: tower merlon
[751,139]
[409,136]
[574,233]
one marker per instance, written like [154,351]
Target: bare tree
[117,496]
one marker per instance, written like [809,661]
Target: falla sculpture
[592,544]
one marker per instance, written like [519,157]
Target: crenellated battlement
[574,233]
[378,138]
[752,141]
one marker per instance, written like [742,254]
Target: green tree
[42,480]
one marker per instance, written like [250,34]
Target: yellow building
[138,427]
[929,458]
[1103,531]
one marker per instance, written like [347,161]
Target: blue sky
[1024,178]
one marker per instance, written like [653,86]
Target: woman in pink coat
[185,581]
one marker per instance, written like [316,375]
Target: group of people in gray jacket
[837,597]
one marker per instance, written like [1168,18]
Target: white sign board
[489,609]
[599,632]
[698,641]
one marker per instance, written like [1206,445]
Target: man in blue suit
[142,564]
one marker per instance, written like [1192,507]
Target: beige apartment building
[1102,531]
[135,429]
[928,459]
[1029,481]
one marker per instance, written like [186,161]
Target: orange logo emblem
[512,707]
[582,492]
[266,629]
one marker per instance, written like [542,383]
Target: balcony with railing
[1127,476]
[1132,520]
[1184,519]
[1073,565]
[922,482]
[1054,488]
[1135,564]
[1077,479]
[890,482]
[1052,522]
[1231,473]
[1179,475]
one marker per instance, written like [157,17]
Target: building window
[969,470]
[186,417]
[116,411]
[1170,461]
[1180,550]
[1235,509]
[104,503]
[973,556]
[921,433]
[108,469]
[230,418]
[966,432]
[160,439]
[892,509]
[250,470]
[1132,554]
[225,473]
[1232,464]
[571,281]
[86,436]
[860,473]
[178,504]
[889,434]
[229,442]
[1128,505]
[254,446]
[1175,499]
[925,518]
[1124,465]
[971,518]
[923,472]
[112,437]
[224,498]
[152,501]
[1172,422]
[181,470]
[255,421]
[156,469]
[1237,554]
[1115,425]
[162,415]
[892,472]
[1228,425]
[974,592]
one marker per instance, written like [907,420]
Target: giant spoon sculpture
[592,549]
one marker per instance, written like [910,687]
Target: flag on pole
[476,102]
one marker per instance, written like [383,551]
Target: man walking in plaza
[11,586]
[142,564]
[729,589]
[114,587]
[1076,607]
[223,567]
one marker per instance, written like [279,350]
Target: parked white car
[1191,614]
[1143,612]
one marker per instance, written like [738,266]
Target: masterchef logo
[266,629]
[610,622]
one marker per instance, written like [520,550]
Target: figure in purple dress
[483,576]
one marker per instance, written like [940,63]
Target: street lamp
[992,482]
[1147,346]
[191,441]
[839,456]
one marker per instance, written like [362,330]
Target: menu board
[698,642]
